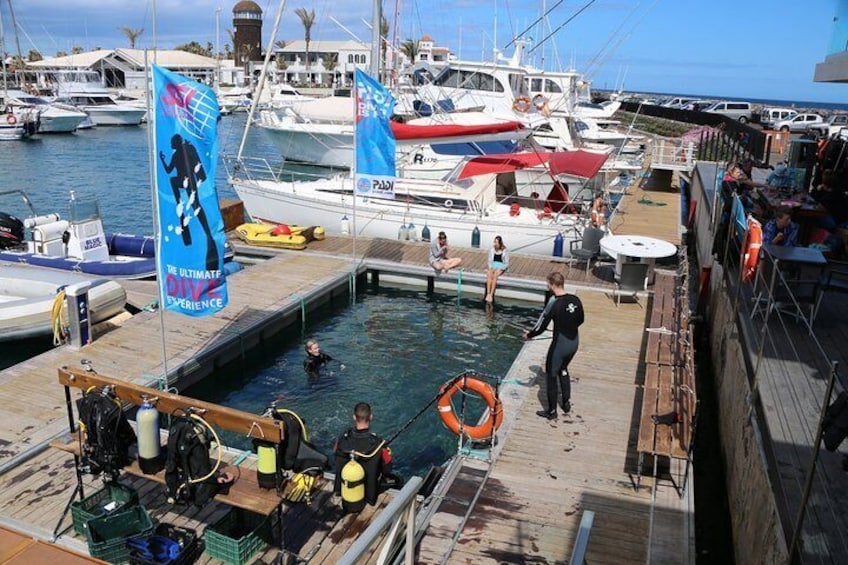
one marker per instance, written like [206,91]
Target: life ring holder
[494,416]
[751,246]
[522,104]
[11,119]
[540,101]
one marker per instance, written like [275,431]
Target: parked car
[801,123]
[697,105]
[741,111]
[770,116]
[837,124]
[677,102]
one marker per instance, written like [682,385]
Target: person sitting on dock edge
[315,360]
[363,463]
[439,255]
[498,264]
[566,311]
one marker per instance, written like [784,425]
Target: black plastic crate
[112,497]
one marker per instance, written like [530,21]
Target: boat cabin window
[580,125]
[551,86]
[468,80]
[83,210]
[517,84]
[535,85]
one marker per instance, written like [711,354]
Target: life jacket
[188,460]
[107,435]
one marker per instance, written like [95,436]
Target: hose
[217,465]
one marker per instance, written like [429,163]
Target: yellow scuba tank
[266,466]
[149,448]
[353,486]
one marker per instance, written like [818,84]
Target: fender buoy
[11,119]
[751,249]
[521,104]
[540,101]
[450,419]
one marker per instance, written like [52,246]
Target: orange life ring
[450,419]
[521,104]
[540,101]
[751,249]
[11,119]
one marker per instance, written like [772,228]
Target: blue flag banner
[190,255]
[375,143]
[738,212]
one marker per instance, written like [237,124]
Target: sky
[736,49]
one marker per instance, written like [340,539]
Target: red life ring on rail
[521,104]
[11,119]
[540,101]
[751,246]
[450,419]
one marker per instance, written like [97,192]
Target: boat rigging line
[537,20]
[565,23]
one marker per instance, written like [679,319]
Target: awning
[578,163]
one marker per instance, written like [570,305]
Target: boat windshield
[83,210]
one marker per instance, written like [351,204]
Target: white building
[331,63]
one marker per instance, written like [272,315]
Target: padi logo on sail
[371,102]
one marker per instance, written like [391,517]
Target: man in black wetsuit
[315,360]
[370,451]
[566,311]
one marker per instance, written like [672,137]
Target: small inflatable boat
[27,296]
[283,236]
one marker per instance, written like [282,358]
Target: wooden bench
[669,385]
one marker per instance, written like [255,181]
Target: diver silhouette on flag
[189,176]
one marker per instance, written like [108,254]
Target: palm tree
[384,38]
[307,18]
[410,49]
[132,34]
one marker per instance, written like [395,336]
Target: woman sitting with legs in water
[498,264]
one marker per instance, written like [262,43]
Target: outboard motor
[11,231]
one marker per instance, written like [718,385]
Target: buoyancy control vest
[359,448]
[187,461]
[106,433]
[294,453]
[835,426]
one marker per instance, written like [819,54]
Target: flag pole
[157,236]
[353,179]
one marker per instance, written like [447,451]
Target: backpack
[836,422]
[187,460]
[106,433]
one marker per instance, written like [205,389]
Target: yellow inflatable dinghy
[279,235]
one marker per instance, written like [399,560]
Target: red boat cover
[407,131]
[579,163]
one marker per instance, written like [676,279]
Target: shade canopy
[578,163]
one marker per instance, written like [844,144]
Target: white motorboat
[17,122]
[28,296]
[286,96]
[85,91]
[481,195]
[53,117]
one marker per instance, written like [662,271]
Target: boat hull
[330,148]
[111,116]
[28,295]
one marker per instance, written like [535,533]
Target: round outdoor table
[636,248]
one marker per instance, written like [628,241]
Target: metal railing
[581,542]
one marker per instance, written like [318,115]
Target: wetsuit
[377,466]
[313,364]
[567,313]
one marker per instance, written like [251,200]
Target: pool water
[393,348]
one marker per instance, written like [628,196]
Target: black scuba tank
[11,231]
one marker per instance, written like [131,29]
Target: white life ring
[11,119]
[540,101]
[448,203]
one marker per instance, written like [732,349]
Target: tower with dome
[247,38]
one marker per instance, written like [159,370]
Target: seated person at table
[781,230]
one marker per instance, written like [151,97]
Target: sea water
[393,348]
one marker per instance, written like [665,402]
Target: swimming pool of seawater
[393,348]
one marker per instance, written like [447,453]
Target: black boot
[549,414]
[566,406]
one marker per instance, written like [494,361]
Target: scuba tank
[411,232]
[345,227]
[558,245]
[425,233]
[403,232]
[353,486]
[266,467]
[149,449]
[475,237]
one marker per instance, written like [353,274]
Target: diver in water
[566,311]
[189,176]
[315,360]
[363,463]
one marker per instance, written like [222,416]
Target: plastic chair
[590,246]
[633,279]
[834,280]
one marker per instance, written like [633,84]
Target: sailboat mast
[15,29]
[376,27]
[3,56]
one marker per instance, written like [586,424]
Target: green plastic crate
[107,536]
[238,536]
[95,505]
